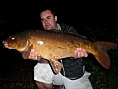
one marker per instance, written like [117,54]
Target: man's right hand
[35,57]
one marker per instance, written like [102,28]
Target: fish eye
[13,38]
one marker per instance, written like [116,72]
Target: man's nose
[45,21]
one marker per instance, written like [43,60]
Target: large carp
[54,45]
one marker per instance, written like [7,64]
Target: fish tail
[101,52]
[106,45]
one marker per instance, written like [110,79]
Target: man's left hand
[79,53]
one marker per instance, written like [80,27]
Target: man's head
[48,19]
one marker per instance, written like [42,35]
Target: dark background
[84,15]
[96,19]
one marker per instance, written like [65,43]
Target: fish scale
[54,45]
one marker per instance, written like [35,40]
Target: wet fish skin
[54,45]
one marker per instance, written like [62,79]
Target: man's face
[48,20]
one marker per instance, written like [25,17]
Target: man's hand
[79,53]
[33,56]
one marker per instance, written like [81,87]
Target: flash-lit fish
[54,45]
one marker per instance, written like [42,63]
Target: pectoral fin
[55,65]
[25,54]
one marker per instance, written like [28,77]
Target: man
[72,75]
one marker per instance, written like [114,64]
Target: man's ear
[55,18]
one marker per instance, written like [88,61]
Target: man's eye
[49,17]
[42,19]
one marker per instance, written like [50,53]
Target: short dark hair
[48,8]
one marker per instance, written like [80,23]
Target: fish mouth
[6,45]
